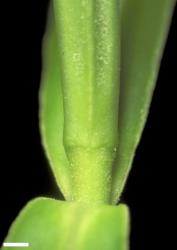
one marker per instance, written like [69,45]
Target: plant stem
[89,51]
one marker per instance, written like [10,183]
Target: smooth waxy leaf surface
[144,27]
[50,224]
[51,108]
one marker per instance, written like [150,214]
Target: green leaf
[79,127]
[50,224]
[51,108]
[144,25]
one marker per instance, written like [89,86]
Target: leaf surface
[144,25]
[51,108]
[50,224]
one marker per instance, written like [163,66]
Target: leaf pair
[84,108]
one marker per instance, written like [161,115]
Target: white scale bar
[15,244]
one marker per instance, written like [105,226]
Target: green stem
[89,51]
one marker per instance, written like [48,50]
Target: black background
[23,169]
